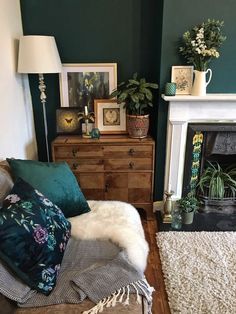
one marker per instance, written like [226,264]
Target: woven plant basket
[137,126]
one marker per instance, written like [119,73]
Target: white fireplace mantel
[185,109]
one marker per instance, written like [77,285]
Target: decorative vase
[187,218]
[137,126]
[176,222]
[200,83]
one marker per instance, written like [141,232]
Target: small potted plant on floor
[188,205]
[136,95]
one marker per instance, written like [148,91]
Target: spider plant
[216,181]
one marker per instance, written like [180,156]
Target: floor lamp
[39,54]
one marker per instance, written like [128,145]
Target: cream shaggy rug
[199,271]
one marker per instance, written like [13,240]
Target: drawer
[128,164]
[140,180]
[139,195]
[90,181]
[124,151]
[81,165]
[74,151]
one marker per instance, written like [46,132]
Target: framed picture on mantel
[183,77]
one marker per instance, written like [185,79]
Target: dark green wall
[89,31]
[140,35]
[179,16]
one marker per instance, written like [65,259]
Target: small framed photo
[183,77]
[81,83]
[67,121]
[110,117]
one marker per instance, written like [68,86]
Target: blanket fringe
[140,287]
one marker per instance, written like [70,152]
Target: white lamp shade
[38,54]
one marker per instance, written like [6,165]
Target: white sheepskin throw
[116,221]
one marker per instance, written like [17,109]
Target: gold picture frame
[183,77]
[110,117]
[67,121]
[81,83]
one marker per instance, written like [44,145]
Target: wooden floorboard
[153,272]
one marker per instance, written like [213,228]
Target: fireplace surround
[217,109]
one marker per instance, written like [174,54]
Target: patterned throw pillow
[33,236]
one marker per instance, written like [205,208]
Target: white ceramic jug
[200,83]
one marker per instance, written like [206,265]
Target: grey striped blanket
[99,270]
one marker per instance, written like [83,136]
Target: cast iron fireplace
[209,142]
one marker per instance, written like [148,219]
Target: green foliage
[136,94]
[217,180]
[188,203]
[201,43]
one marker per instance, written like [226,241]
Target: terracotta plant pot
[137,126]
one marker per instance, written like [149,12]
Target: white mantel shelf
[185,109]
[207,98]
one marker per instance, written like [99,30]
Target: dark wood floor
[154,273]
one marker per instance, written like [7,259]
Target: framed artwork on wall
[81,83]
[110,117]
[67,121]
[183,77]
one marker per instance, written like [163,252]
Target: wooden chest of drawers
[111,168]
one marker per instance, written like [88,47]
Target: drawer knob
[106,187]
[74,151]
[131,165]
[75,166]
[131,151]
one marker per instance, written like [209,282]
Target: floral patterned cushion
[33,236]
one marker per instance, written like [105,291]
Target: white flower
[193,42]
[198,50]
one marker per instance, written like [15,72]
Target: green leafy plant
[215,180]
[188,203]
[200,44]
[136,94]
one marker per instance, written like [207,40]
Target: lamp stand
[42,88]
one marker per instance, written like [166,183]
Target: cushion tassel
[122,295]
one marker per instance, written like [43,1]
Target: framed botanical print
[110,117]
[81,83]
[183,77]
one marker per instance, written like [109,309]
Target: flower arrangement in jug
[201,44]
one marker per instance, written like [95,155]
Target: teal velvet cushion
[55,180]
[33,236]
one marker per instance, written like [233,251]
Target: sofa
[103,259]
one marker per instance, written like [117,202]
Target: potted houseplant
[188,205]
[217,183]
[136,95]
